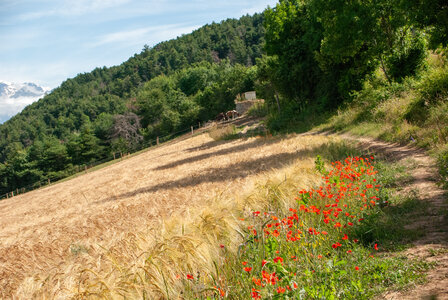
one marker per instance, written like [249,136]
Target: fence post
[49,181]
[121,155]
[157,141]
[114,155]
[192,131]
[17,191]
[7,195]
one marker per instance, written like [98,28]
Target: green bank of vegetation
[376,68]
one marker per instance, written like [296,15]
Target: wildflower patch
[315,250]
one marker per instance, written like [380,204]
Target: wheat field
[80,238]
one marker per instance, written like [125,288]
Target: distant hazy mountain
[15,96]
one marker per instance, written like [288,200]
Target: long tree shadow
[230,172]
[206,146]
[239,148]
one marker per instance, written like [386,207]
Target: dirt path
[433,246]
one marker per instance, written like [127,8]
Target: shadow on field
[239,148]
[205,146]
[230,172]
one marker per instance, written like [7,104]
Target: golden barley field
[86,237]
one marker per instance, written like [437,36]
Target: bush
[258,110]
[434,86]
[408,60]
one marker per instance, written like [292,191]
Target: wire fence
[114,156]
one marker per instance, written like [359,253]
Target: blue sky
[48,41]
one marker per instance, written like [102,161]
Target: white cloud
[145,35]
[73,8]
[10,107]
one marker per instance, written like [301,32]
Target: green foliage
[431,15]
[434,86]
[408,58]
[320,165]
[322,52]
[431,91]
[258,110]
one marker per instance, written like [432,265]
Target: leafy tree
[431,15]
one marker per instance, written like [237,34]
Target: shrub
[434,86]
[408,60]
[258,110]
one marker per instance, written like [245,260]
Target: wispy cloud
[73,8]
[46,41]
[144,35]
[259,7]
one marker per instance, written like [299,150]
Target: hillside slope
[50,235]
[169,87]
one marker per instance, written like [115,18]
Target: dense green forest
[303,56]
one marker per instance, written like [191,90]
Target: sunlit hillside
[51,235]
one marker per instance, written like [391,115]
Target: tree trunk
[278,101]
[383,67]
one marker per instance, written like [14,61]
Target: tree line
[320,51]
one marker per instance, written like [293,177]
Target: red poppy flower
[278,259]
[254,294]
[336,245]
[281,290]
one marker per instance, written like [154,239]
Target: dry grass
[132,228]
[222,132]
